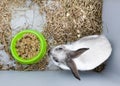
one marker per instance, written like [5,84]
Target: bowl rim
[35,59]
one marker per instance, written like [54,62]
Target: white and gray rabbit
[85,54]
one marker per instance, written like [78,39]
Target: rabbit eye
[58,49]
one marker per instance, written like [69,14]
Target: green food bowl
[41,52]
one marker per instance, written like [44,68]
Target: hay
[5,30]
[69,20]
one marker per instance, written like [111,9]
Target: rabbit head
[61,55]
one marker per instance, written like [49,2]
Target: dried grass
[68,20]
[5,30]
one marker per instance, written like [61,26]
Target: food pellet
[28,46]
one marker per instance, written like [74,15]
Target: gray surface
[110,76]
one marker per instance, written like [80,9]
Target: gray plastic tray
[110,76]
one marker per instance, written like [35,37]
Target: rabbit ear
[74,54]
[70,63]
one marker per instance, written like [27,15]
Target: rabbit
[85,54]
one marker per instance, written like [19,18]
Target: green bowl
[35,59]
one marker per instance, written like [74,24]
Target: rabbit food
[28,46]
